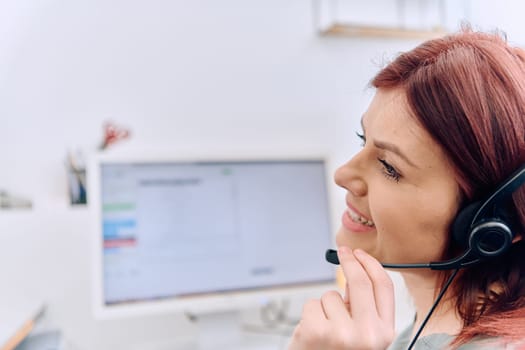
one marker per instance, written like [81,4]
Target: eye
[362,137]
[389,171]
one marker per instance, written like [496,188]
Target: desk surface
[248,341]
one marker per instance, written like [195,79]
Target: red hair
[468,91]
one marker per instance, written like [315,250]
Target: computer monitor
[207,233]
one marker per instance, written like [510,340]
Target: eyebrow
[394,149]
[389,147]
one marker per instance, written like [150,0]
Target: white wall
[184,76]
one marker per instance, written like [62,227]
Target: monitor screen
[172,230]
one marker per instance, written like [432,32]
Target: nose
[351,177]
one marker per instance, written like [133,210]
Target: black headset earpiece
[488,237]
[461,226]
[483,228]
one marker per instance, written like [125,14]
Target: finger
[346,299]
[334,307]
[310,330]
[382,285]
[313,309]
[360,290]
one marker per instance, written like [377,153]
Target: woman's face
[401,189]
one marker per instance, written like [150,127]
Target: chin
[367,246]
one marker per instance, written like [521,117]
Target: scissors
[112,134]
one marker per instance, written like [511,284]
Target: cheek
[392,222]
[415,228]
[436,211]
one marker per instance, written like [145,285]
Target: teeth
[359,219]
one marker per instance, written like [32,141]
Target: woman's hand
[363,319]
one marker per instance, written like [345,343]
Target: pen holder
[77,186]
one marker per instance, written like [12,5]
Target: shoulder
[492,343]
[442,341]
[429,342]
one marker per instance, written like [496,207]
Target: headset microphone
[482,228]
[462,261]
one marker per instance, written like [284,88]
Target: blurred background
[261,76]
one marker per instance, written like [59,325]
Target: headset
[484,229]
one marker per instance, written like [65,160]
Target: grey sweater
[441,341]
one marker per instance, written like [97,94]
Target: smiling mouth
[358,218]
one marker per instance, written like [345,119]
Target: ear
[517,238]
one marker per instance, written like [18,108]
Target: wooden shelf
[351,30]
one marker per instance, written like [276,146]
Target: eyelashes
[361,137]
[388,170]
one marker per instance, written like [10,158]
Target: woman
[444,129]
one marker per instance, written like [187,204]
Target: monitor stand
[224,330]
